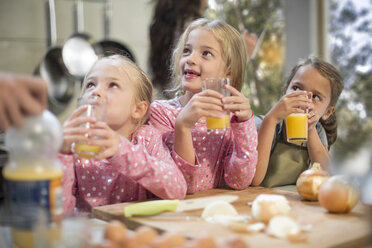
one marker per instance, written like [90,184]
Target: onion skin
[309,181]
[338,194]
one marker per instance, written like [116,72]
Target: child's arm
[318,152]
[241,164]
[204,104]
[294,102]
[241,159]
[149,163]
[68,183]
[265,139]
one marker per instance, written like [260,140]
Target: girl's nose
[191,59]
[98,92]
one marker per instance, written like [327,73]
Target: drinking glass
[96,110]
[217,84]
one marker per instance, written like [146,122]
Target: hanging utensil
[108,47]
[78,53]
[61,85]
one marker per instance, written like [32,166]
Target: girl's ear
[330,110]
[140,110]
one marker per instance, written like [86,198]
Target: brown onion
[338,194]
[309,181]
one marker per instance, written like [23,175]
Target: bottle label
[27,200]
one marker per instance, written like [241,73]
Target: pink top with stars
[140,169]
[222,156]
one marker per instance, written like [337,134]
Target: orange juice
[33,181]
[297,127]
[215,123]
[86,151]
[29,189]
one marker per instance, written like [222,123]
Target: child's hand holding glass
[238,104]
[96,110]
[293,102]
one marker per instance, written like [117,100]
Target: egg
[168,240]
[234,242]
[130,241]
[107,244]
[206,241]
[145,235]
[115,231]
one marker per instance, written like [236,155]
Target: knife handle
[149,208]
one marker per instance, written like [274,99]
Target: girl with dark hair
[314,85]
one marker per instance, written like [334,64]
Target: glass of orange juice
[296,125]
[218,84]
[96,110]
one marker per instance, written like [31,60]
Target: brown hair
[232,46]
[168,23]
[143,86]
[331,73]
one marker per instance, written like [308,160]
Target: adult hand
[20,96]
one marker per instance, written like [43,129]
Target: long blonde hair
[143,86]
[233,50]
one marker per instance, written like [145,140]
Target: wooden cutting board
[326,229]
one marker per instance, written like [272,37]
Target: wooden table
[327,230]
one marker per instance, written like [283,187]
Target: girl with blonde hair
[133,164]
[209,159]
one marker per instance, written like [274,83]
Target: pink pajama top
[140,169]
[226,157]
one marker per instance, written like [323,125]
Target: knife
[155,207]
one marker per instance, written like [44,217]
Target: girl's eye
[295,88]
[207,53]
[316,97]
[90,85]
[186,51]
[113,85]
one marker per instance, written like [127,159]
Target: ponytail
[330,127]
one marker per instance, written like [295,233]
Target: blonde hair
[337,84]
[232,45]
[142,83]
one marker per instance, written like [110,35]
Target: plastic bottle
[33,174]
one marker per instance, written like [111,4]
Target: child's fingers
[214,114]
[78,121]
[297,93]
[210,100]
[232,90]
[235,107]
[75,138]
[106,153]
[77,112]
[234,99]
[210,93]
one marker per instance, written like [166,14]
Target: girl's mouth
[189,74]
